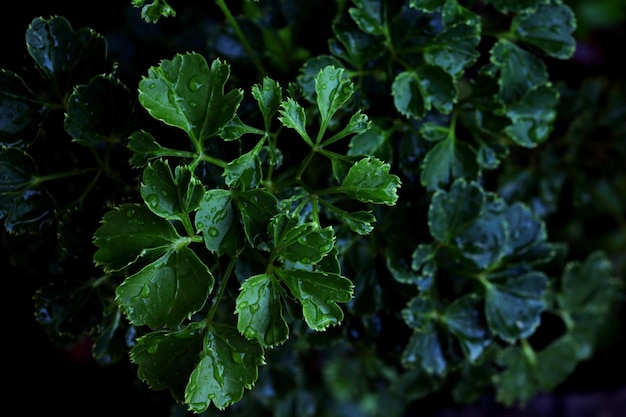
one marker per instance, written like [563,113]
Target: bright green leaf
[269,96]
[245,172]
[228,365]
[301,243]
[369,181]
[333,89]
[184,92]
[292,115]
[260,310]
[130,232]
[217,220]
[167,291]
[319,293]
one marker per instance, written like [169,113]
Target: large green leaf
[228,365]
[130,232]
[305,243]
[167,291]
[454,49]
[260,310]
[419,91]
[185,92]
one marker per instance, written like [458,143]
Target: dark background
[44,379]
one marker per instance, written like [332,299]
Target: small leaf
[167,291]
[217,220]
[257,208]
[333,89]
[452,211]
[268,96]
[513,306]
[447,161]
[549,28]
[532,117]
[319,293]
[168,196]
[465,320]
[144,148]
[311,69]
[260,310]
[292,115]
[359,221]
[228,365]
[184,92]
[245,172]
[129,232]
[428,6]
[368,16]
[235,129]
[369,181]
[304,243]
[454,49]
[416,92]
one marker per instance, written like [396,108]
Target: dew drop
[130,213]
[152,200]
[213,232]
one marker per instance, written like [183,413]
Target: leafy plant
[333,230]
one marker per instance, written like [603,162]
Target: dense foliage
[335,216]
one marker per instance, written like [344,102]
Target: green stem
[61,175]
[244,42]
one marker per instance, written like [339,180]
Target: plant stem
[244,42]
[221,289]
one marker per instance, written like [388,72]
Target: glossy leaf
[166,358]
[464,319]
[245,172]
[548,28]
[333,89]
[319,293]
[144,148]
[167,291]
[533,116]
[304,243]
[66,57]
[130,232]
[292,115]
[186,93]
[448,160]
[454,49]
[218,221]
[260,310]
[228,365]
[269,96]
[368,15]
[369,181]
[257,208]
[168,195]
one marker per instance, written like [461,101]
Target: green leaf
[130,232]
[513,306]
[168,196]
[484,241]
[301,243]
[245,172]
[428,6]
[532,117]
[101,111]
[369,181]
[447,161]
[19,111]
[217,220]
[549,28]
[359,221]
[66,57]
[260,310]
[144,148]
[228,365]
[235,129]
[167,291]
[424,349]
[465,320]
[358,124]
[268,96]
[516,5]
[165,359]
[333,89]
[454,49]
[311,69]
[372,142]
[368,16]
[416,92]
[152,12]
[184,92]
[292,115]
[319,293]
[257,208]
[452,211]
[519,71]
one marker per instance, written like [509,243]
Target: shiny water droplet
[152,200]
[130,213]
[213,232]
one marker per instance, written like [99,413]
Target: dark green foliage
[400,208]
